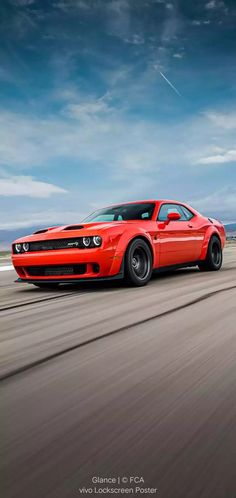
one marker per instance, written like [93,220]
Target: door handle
[190,226]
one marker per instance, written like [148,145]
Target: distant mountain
[230,227]
[8,236]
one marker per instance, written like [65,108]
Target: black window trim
[174,204]
[189,210]
[151,204]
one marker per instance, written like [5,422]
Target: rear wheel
[214,258]
[138,263]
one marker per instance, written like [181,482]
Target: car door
[198,229]
[177,238]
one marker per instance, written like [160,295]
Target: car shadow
[161,275]
[105,285]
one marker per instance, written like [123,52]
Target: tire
[138,263]
[47,286]
[214,257]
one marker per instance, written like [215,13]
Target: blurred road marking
[6,268]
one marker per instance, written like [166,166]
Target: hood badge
[73,244]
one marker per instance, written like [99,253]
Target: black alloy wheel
[214,257]
[138,263]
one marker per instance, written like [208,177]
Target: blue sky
[104,101]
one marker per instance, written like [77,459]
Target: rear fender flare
[209,233]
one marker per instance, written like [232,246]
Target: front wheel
[214,257]
[138,263]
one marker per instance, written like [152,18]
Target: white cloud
[221,137]
[69,5]
[214,4]
[178,55]
[117,5]
[117,18]
[28,187]
[23,3]
[77,206]
[225,157]
[210,5]
[134,158]
[95,132]
[170,6]
[135,39]
[43,218]
[221,203]
[171,27]
[201,23]
[90,108]
[226,121]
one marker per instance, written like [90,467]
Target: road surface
[110,382]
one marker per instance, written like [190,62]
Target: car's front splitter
[119,276]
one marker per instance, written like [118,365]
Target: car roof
[159,201]
[155,201]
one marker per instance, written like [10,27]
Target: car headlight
[26,246]
[18,247]
[87,241]
[97,240]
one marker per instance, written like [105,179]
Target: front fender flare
[124,241]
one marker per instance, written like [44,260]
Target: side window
[187,214]
[170,208]
[145,216]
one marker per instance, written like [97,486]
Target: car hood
[79,230]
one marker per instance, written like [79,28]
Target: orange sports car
[126,241]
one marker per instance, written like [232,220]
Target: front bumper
[68,265]
[73,280]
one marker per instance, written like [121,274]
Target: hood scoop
[44,230]
[41,231]
[74,227]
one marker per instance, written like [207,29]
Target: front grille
[56,270]
[53,245]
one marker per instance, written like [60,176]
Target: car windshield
[142,211]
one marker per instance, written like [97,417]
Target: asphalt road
[107,381]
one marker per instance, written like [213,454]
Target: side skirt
[190,264]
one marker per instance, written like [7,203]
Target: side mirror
[173,216]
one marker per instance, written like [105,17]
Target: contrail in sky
[169,83]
